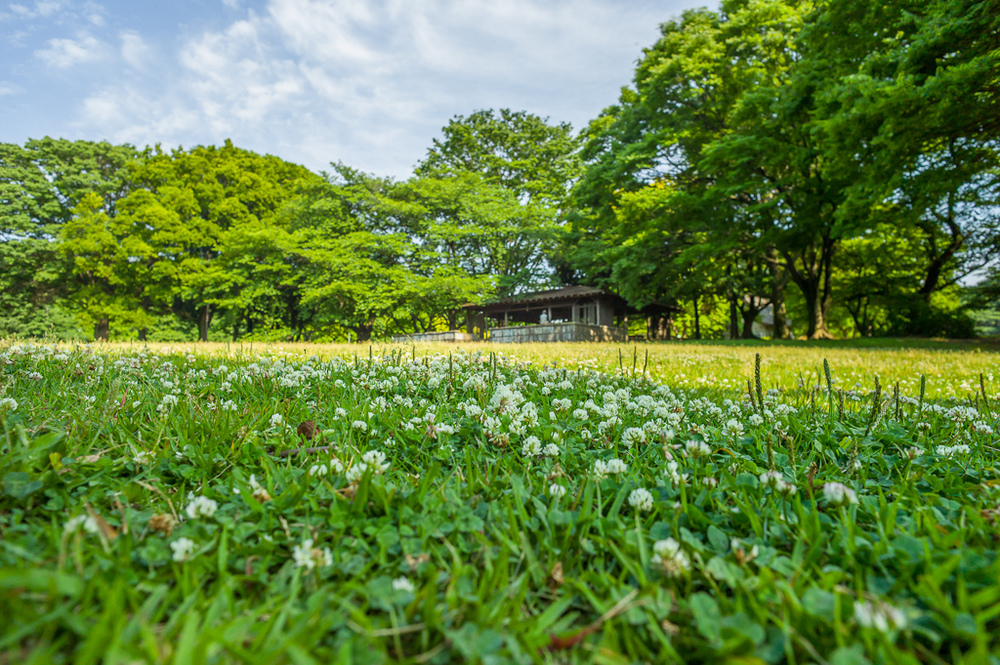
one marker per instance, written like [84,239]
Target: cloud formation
[65,53]
[368,82]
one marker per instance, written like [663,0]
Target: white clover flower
[403,584]
[641,500]
[35,376]
[229,405]
[951,451]
[88,523]
[924,426]
[913,452]
[755,419]
[182,547]
[980,427]
[8,403]
[336,466]
[600,470]
[777,481]
[201,506]
[879,615]
[633,436]
[562,404]
[168,402]
[672,560]
[551,450]
[360,425]
[532,447]
[276,420]
[839,494]
[581,414]
[675,475]
[375,459]
[318,470]
[339,413]
[143,457]
[557,490]
[355,473]
[308,557]
[615,466]
[696,449]
[733,428]
[962,414]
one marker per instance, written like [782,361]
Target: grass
[432,504]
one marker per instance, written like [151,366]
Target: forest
[836,161]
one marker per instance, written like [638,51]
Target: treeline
[223,243]
[836,161]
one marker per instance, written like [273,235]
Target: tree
[40,184]
[533,162]
[661,146]
[910,104]
[222,201]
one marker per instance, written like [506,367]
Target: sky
[366,82]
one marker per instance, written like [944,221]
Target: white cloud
[46,7]
[369,82]
[134,49]
[7,88]
[64,53]
[42,8]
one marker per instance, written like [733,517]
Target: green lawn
[537,503]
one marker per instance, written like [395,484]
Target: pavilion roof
[566,293]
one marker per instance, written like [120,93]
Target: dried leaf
[162,523]
[307,429]
[106,529]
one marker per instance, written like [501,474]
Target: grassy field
[951,370]
[540,503]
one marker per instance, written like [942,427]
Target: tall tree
[40,184]
[223,200]
[534,162]
[661,142]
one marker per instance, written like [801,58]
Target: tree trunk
[142,334]
[363,332]
[779,277]
[204,321]
[734,326]
[102,330]
[817,301]
[697,318]
[749,316]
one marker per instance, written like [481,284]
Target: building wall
[558,332]
[605,313]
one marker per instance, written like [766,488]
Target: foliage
[529,165]
[40,184]
[760,138]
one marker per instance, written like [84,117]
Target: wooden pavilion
[569,314]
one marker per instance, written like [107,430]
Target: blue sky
[366,82]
